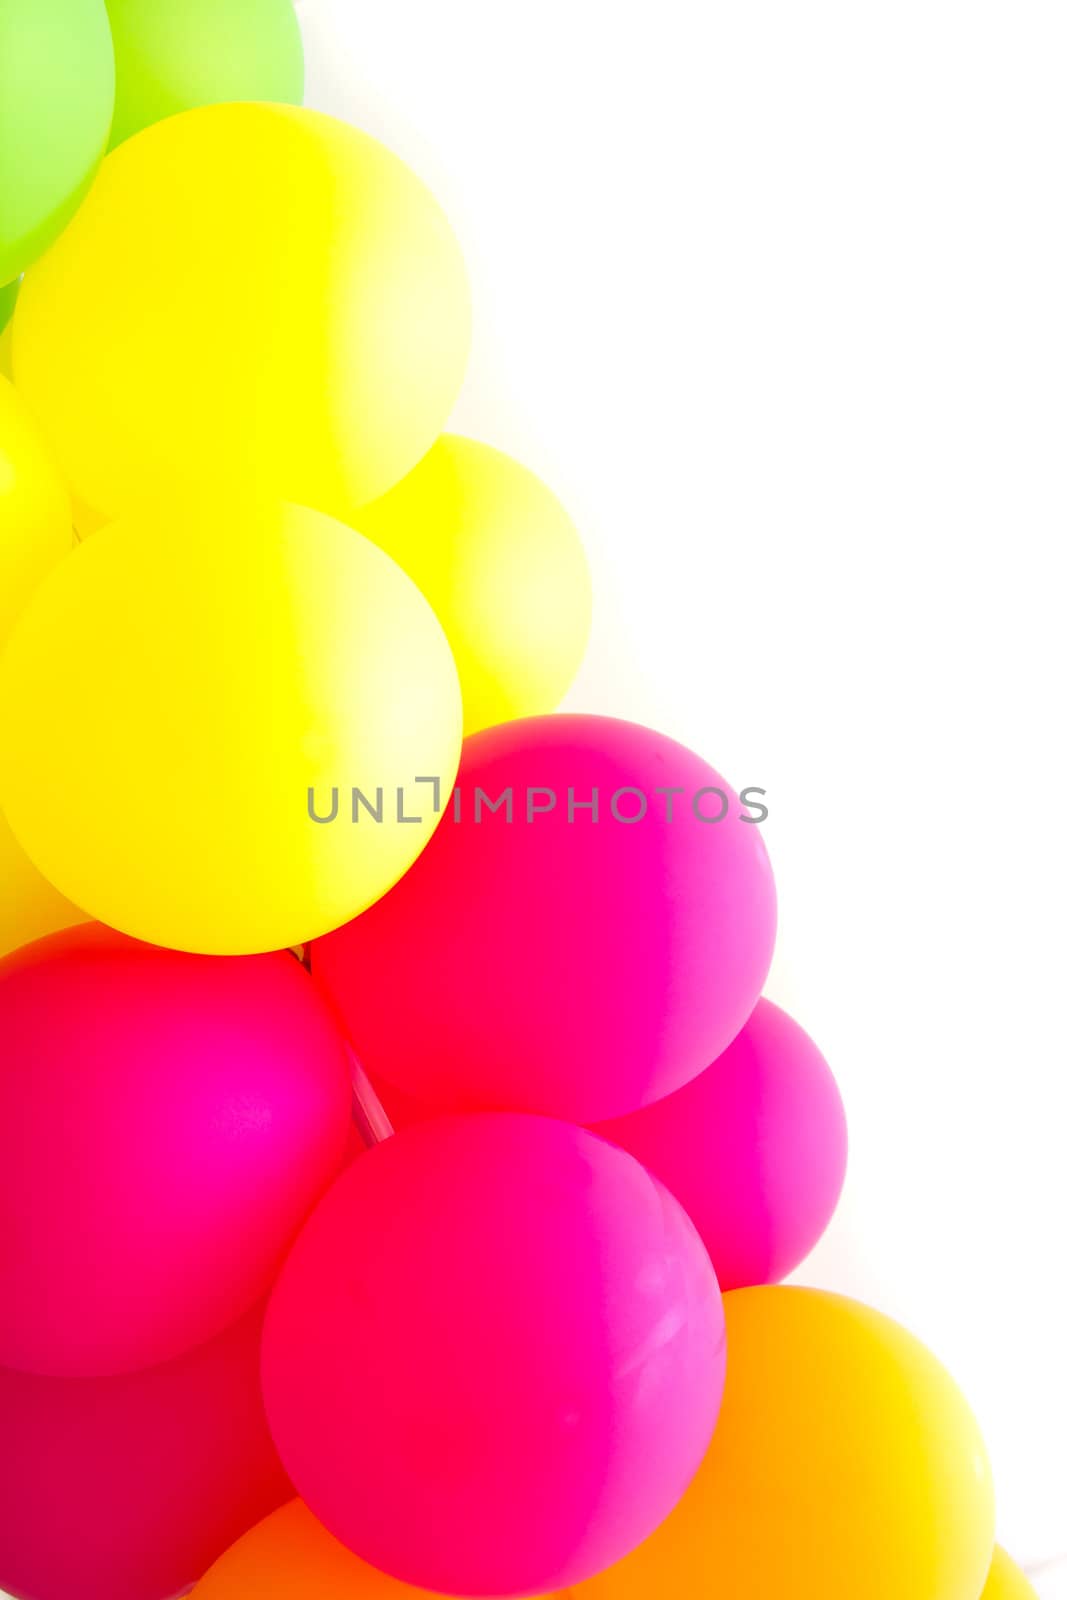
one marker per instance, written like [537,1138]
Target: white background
[775,296]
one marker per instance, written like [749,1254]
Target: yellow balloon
[29,906]
[86,520]
[189,701]
[845,1463]
[290,1556]
[5,352]
[35,532]
[1006,1581]
[35,526]
[500,561]
[252,295]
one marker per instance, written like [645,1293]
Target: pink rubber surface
[166,1123]
[129,1488]
[755,1149]
[494,1358]
[575,968]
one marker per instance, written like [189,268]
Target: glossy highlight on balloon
[167,1122]
[493,1359]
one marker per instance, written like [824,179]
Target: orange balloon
[1006,1581]
[845,1463]
[290,1556]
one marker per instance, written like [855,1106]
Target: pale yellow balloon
[29,906]
[1006,1581]
[35,526]
[186,706]
[500,561]
[252,296]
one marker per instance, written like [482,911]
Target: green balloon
[8,295]
[172,55]
[57,88]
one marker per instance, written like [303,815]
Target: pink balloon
[129,1488]
[401,1110]
[494,1358]
[556,963]
[166,1123]
[755,1149]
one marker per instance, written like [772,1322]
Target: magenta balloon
[554,963]
[494,1358]
[166,1123]
[754,1148]
[129,1488]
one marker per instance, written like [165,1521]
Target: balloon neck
[368,1113]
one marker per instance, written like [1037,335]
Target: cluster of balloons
[278,655]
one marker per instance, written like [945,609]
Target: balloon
[253,297]
[86,521]
[166,1123]
[8,296]
[1006,1581]
[845,1462]
[500,561]
[128,1488]
[290,1556]
[177,690]
[172,55]
[493,1359]
[400,1109]
[35,527]
[551,962]
[754,1148]
[9,293]
[57,88]
[29,906]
